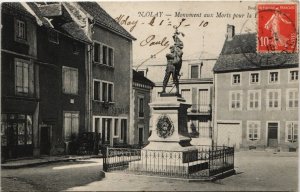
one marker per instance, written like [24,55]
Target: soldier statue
[174,62]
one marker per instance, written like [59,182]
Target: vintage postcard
[149,95]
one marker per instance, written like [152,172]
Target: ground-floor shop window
[16,129]
[16,135]
[111,127]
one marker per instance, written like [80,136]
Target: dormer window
[20,30]
[236,79]
[274,77]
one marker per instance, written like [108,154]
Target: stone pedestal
[169,115]
[169,147]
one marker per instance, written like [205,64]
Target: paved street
[260,171]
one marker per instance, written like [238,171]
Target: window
[273,77]
[292,98]
[116,132]
[53,36]
[141,107]
[195,71]
[97,90]
[96,52]
[292,131]
[22,76]
[236,79]
[253,130]
[70,80]
[254,100]
[20,30]
[293,75]
[254,78]
[16,129]
[107,91]
[273,99]
[71,125]
[124,130]
[103,54]
[235,100]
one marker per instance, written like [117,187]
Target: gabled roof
[102,18]
[240,54]
[139,78]
[69,28]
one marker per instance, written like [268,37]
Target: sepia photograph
[149,95]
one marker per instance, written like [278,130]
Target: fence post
[233,157]
[223,164]
[209,154]
[105,166]
[188,159]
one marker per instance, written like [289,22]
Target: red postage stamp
[277,28]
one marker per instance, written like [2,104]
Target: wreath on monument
[164,126]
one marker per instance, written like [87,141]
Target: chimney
[230,32]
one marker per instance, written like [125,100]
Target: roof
[104,19]
[69,27]
[37,12]
[240,54]
[74,30]
[139,78]
[16,6]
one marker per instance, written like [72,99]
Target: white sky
[214,32]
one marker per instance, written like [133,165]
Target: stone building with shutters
[142,90]
[256,103]
[110,78]
[196,87]
[43,78]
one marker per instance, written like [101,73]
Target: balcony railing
[200,108]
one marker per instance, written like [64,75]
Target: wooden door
[273,135]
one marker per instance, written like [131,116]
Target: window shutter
[289,131]
[75,124]
[19,77]
[64,77]
[76,81]
[67,125]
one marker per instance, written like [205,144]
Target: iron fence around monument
[204,162]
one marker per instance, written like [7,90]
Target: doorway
[45,140]
[273,135]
